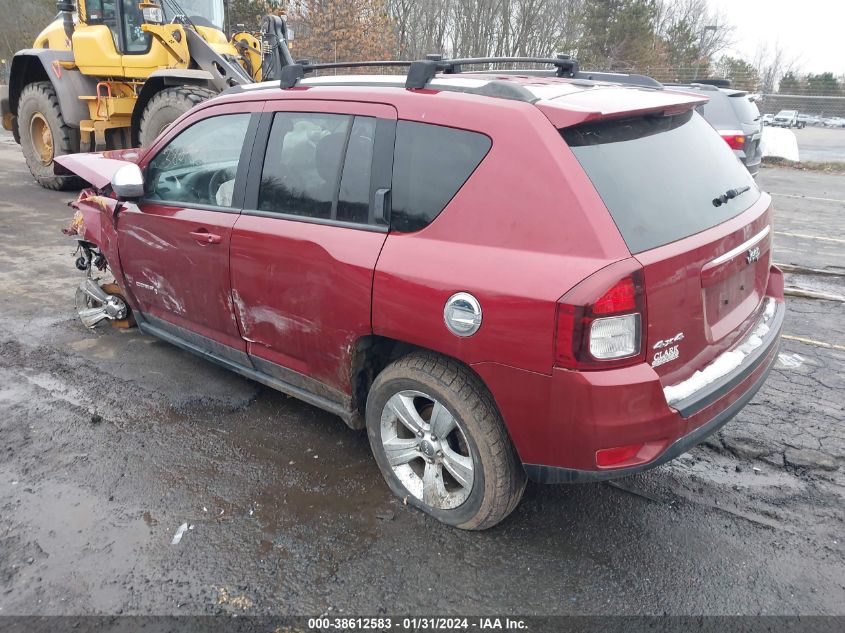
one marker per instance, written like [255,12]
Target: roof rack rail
[421,71]
[292,73]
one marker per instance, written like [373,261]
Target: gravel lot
[109,441]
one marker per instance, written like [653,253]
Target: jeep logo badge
[753,255]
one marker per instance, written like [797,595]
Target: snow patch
[724,364]
[780,143]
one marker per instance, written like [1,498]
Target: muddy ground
[110,440]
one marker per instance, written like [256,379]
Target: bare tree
[20,25]
[690,33]
[772,63]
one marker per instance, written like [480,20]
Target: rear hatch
[668,181]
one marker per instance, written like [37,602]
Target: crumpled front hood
[96,169]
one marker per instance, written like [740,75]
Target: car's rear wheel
[440,442]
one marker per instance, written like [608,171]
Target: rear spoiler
[593,105]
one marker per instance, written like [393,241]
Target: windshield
[786,113]
[660,176]
[200,12]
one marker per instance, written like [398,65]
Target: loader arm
[225,71]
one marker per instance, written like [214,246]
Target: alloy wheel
[427,449]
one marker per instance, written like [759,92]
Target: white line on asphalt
[812,237]
[792,195]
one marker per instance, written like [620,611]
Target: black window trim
[240,176]
[385,138]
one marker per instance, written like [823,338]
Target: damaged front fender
[87,223]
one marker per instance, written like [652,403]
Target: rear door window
[658,176]
[430,165]
[319,166]
[302,163]
[353,199]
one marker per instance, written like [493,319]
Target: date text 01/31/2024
[416,624]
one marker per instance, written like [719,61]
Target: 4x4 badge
[669,341]
[753,255]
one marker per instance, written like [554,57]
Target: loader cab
[124,19]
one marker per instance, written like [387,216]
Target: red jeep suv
[502,275]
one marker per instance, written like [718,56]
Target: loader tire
[45,135]
[167,106]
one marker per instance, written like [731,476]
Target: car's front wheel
[441,444]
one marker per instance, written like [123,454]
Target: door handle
[381,211]
[204,237]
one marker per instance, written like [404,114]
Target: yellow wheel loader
[112,74]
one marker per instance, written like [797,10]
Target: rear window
[745,109]
[658,176]
[718,110]
[431,163]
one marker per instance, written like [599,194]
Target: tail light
[734,141]
[600,321]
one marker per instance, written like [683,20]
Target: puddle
[74,547]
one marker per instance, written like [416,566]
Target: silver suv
[735,116]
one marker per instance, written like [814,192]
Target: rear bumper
[558,422]
[737,388]
[752,163]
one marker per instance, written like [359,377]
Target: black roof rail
[422,71]
[292,73]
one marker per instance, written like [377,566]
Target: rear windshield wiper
[730,194]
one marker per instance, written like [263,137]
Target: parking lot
[111,440]
[821,143]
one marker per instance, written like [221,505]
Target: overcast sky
[811,31]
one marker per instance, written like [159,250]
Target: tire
[167,106]
[44,135]
[420,382]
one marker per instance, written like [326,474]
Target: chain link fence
[821,106]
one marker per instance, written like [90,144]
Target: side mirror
[128,182]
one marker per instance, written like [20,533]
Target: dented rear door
[306,244]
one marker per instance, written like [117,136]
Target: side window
[135,40]
[100,12]
[430,165]
[319,166]
[353,201]
[199,165]
[104,12]
[302,163]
